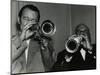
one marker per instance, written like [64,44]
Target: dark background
[65,16]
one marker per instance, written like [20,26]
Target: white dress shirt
[26,51]
[83,53]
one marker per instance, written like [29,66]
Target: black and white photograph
[52,37]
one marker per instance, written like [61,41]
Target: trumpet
[47,28]
[73,43]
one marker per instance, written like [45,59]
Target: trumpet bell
[48,28]
[72,44]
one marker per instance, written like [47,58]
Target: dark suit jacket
[77,62]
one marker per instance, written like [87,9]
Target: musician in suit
[85,56]
[29,54]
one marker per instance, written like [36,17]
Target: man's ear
[18,19]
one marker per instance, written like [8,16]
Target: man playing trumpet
[79,53]
[30,51]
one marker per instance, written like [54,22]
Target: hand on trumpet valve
[85,42]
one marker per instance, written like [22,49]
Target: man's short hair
[31,7]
